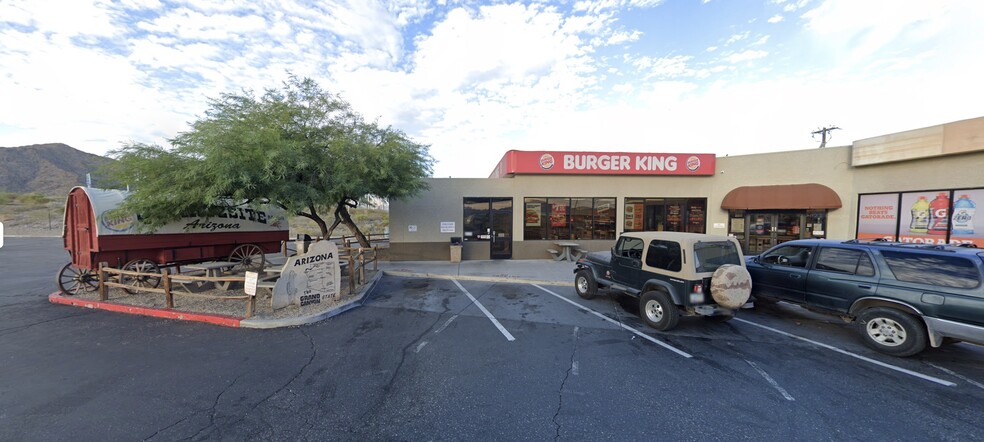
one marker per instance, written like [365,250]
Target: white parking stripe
[953,373]
[853,355]
[446,324]
[637,332]
[771,381]
[481,307]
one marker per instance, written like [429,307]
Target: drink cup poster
[965,223]
[878,216]
[924,217]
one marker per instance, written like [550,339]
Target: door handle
[864,286]
[794,275]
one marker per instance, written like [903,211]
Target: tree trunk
[313,216]
[342,212]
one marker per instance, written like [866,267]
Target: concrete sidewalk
[538,271]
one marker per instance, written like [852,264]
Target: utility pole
[823,131]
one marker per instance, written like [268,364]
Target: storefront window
[659,214]
[568,218]
[604,218]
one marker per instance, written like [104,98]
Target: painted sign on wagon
[311,278]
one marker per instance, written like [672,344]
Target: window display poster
[878,216]
[923,217]
[634,216]
[533,214]
[966,226]
[558,215]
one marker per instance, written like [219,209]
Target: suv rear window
[946,271]
[664,255]
[852,262]
[708,256]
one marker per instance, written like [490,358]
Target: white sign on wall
[310,278]
[412,228]
[447,226]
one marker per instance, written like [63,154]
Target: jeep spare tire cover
[731,285]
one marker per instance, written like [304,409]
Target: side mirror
[784,260]
[613,250]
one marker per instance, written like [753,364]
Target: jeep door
[783,272]
[627,261]
[839,277]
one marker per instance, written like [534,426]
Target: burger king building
[921,185]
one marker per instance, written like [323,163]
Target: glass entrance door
[488,227]
[768,229]
[502,224]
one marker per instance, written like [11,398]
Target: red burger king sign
[604,163]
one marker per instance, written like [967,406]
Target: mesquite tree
[298,146]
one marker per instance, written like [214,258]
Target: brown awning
[785,196]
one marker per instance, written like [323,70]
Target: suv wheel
[892,332]
[585,284]
[658,311]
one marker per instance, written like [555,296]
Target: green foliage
[298,146]
[33,198]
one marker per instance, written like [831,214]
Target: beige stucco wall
[829,166]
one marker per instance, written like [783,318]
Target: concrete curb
[358,301]
[513,280]
[223,320]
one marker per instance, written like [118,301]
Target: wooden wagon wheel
[72,281]
[143,266]
[247,257]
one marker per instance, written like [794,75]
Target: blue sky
[475,79]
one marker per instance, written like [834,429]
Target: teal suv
[902,296]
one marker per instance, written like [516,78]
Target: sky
[474,79]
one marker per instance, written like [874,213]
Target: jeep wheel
[892,332]
[658,311]
[585,284]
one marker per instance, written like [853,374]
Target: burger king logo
[117,221]
[546,161]
[693,163]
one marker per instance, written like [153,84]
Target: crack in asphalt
[389,383]
[211,417]
[314,353]
[560,393]
[387,388]
[18,328]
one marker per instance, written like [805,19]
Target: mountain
[51,169]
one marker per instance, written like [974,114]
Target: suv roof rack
[881,242]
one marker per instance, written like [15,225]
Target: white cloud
[744,56]
[737,37]
[474,80]
[775,18]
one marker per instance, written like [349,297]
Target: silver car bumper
[941,328]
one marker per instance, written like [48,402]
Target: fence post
[250,306]
[375,258]
[167,288]
[362,265]
[103,294]
[351,274]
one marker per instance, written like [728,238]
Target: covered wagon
[96,230]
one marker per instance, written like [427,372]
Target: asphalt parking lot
[450,360]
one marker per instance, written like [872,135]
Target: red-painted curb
[223,320]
